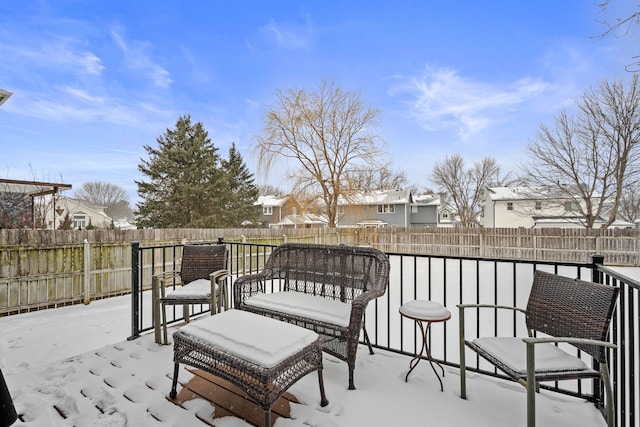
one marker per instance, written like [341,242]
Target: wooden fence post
[87,271]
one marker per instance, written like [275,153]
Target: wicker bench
[263,357]
[325,288]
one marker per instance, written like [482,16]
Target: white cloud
[137,58]
[60,53]
[440,98]
[287,36]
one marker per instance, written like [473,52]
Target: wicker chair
[563,310]
[203,275]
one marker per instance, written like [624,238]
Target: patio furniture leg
[185,313]
[463,364]
[608,392]
[367,340]
[351,384]
[531,386]
[267,416]
[323,397]
[163,313]
[174,385]
[155,296]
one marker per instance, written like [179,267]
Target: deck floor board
[230,400]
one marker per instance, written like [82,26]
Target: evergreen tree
[15,210]
[183,187]
[240,192]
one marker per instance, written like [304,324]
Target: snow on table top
[425,310]
[306,305]
[257,339]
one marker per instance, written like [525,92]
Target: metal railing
[450,281]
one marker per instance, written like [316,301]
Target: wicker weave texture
[264,385]
[564,307]
[353,275]
[199,261]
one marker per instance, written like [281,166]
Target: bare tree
[326,134]
[270,190]
[622,25]
[588,159]
[465,187]
[111,196]
[629,209]
[613,114]
[381,178]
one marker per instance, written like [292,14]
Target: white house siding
[518,207]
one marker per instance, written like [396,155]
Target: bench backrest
[333,271]
[564,307]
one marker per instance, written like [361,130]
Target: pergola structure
[4,95]
[33,189]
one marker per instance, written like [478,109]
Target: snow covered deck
[74,367]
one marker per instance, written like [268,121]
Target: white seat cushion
[304,305]
[200,288]
[258,339]
[513,352]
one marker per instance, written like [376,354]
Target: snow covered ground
[77,359]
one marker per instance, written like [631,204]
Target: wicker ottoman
[262,356]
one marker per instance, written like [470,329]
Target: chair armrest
[219,275]
[246,286]
[165,275]
[461,322]
[569,340]
[364,298]
[502,307]
[157,291]
[359,304]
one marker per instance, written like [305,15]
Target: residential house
[425,211]
[532,208]
[276,208]
[81,212]
[448,216]
[303,220]
[388,208]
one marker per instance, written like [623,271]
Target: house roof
[529,193]
[307,218]
[271,200]
[378,197]
[427,200]
[82,206]
[577,220]
[32,188]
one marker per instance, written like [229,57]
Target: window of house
[79,221]
[445,215]
[571,206]
[538,206]
[267,210]
[414,209]
[509,206]
[382,209]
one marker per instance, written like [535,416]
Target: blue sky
[95,80]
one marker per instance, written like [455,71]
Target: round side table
[423,311]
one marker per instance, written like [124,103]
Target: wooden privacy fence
[619,246]
[47,268]
[32,278]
